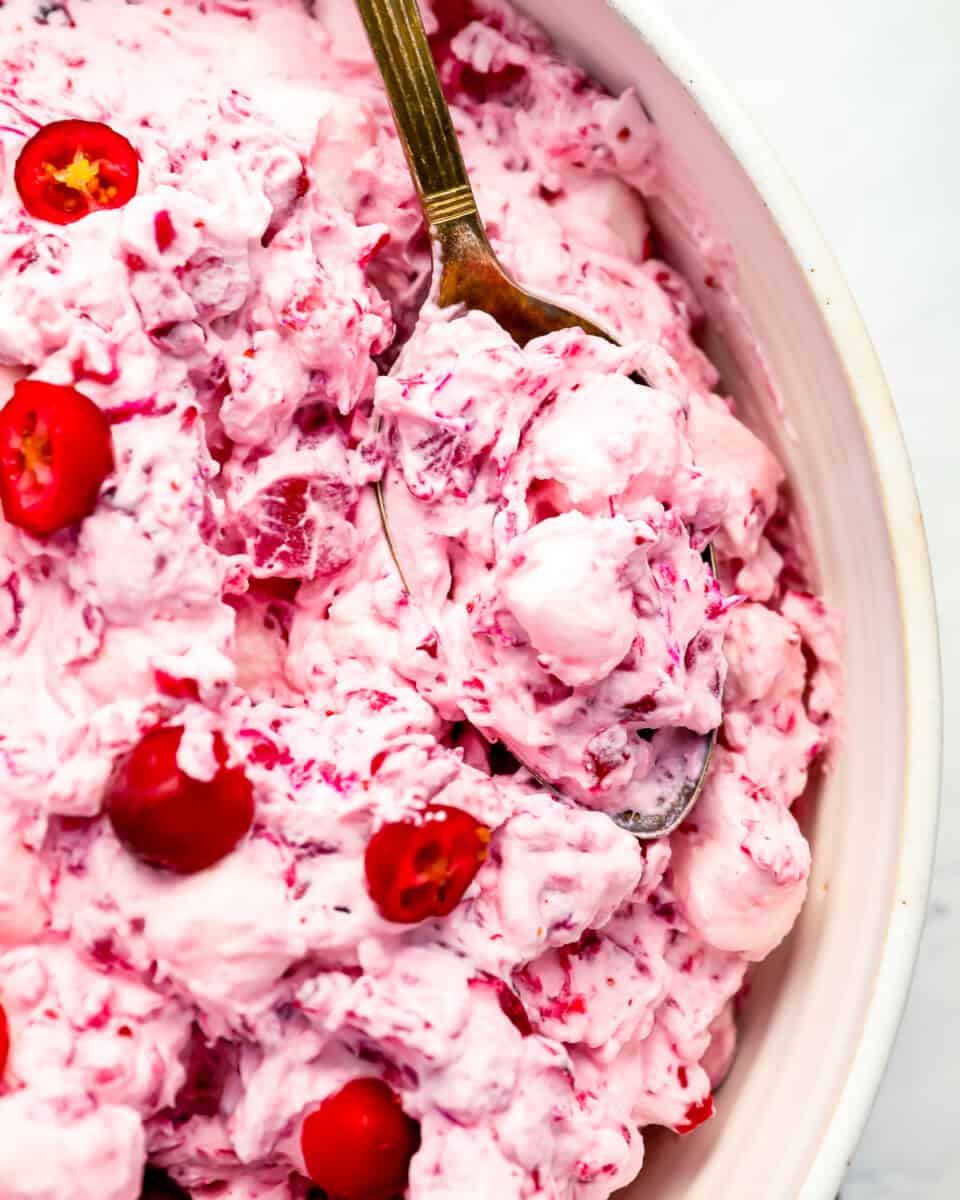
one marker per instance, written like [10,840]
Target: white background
[861,99]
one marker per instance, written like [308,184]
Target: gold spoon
[472,276]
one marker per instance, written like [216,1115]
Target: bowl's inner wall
[806,1011]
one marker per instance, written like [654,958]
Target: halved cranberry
[421,867]
[4,1040]
[69,169]
[171,820]
[157,1185]
[55,452]
[358,1144]
[696,1114]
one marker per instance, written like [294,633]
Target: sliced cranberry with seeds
[55,452]
[696,1114]
[171,820]
[275,587]
[69,169]
[358,1144]
[421,868]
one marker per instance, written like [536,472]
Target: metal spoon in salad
[470,276]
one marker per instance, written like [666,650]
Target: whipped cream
[552,512]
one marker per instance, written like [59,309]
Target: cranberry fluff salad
[281,914]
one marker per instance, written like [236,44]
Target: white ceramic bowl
[824,1010]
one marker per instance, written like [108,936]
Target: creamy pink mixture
[553,512]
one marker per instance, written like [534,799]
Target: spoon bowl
[472,277]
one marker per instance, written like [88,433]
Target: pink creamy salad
[233,580]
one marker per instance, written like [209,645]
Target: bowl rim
[921,653]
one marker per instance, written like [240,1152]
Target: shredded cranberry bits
[358,1144]
[168,818]
[696,1114]
[69,169]
[420,868]
[4,1040]
[55,452]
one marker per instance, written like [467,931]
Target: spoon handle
[399,43]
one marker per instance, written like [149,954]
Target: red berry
[358,1144]
[55,452]
[421,867]
[4,1040]
[157,1185]
[168,818]
[69,169]
[696,1114]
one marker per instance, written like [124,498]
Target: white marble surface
[861,99]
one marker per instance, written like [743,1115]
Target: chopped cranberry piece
[275,587]
[430,644]
[603,756]
[69,169]
[55,452]
[171,820]
[157,1185]
[420,868]
[696,1114]
[510,1003]
[175,686]
[163,230]
[300,528]
[4,1040]
[358,1144]
[512,1008]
